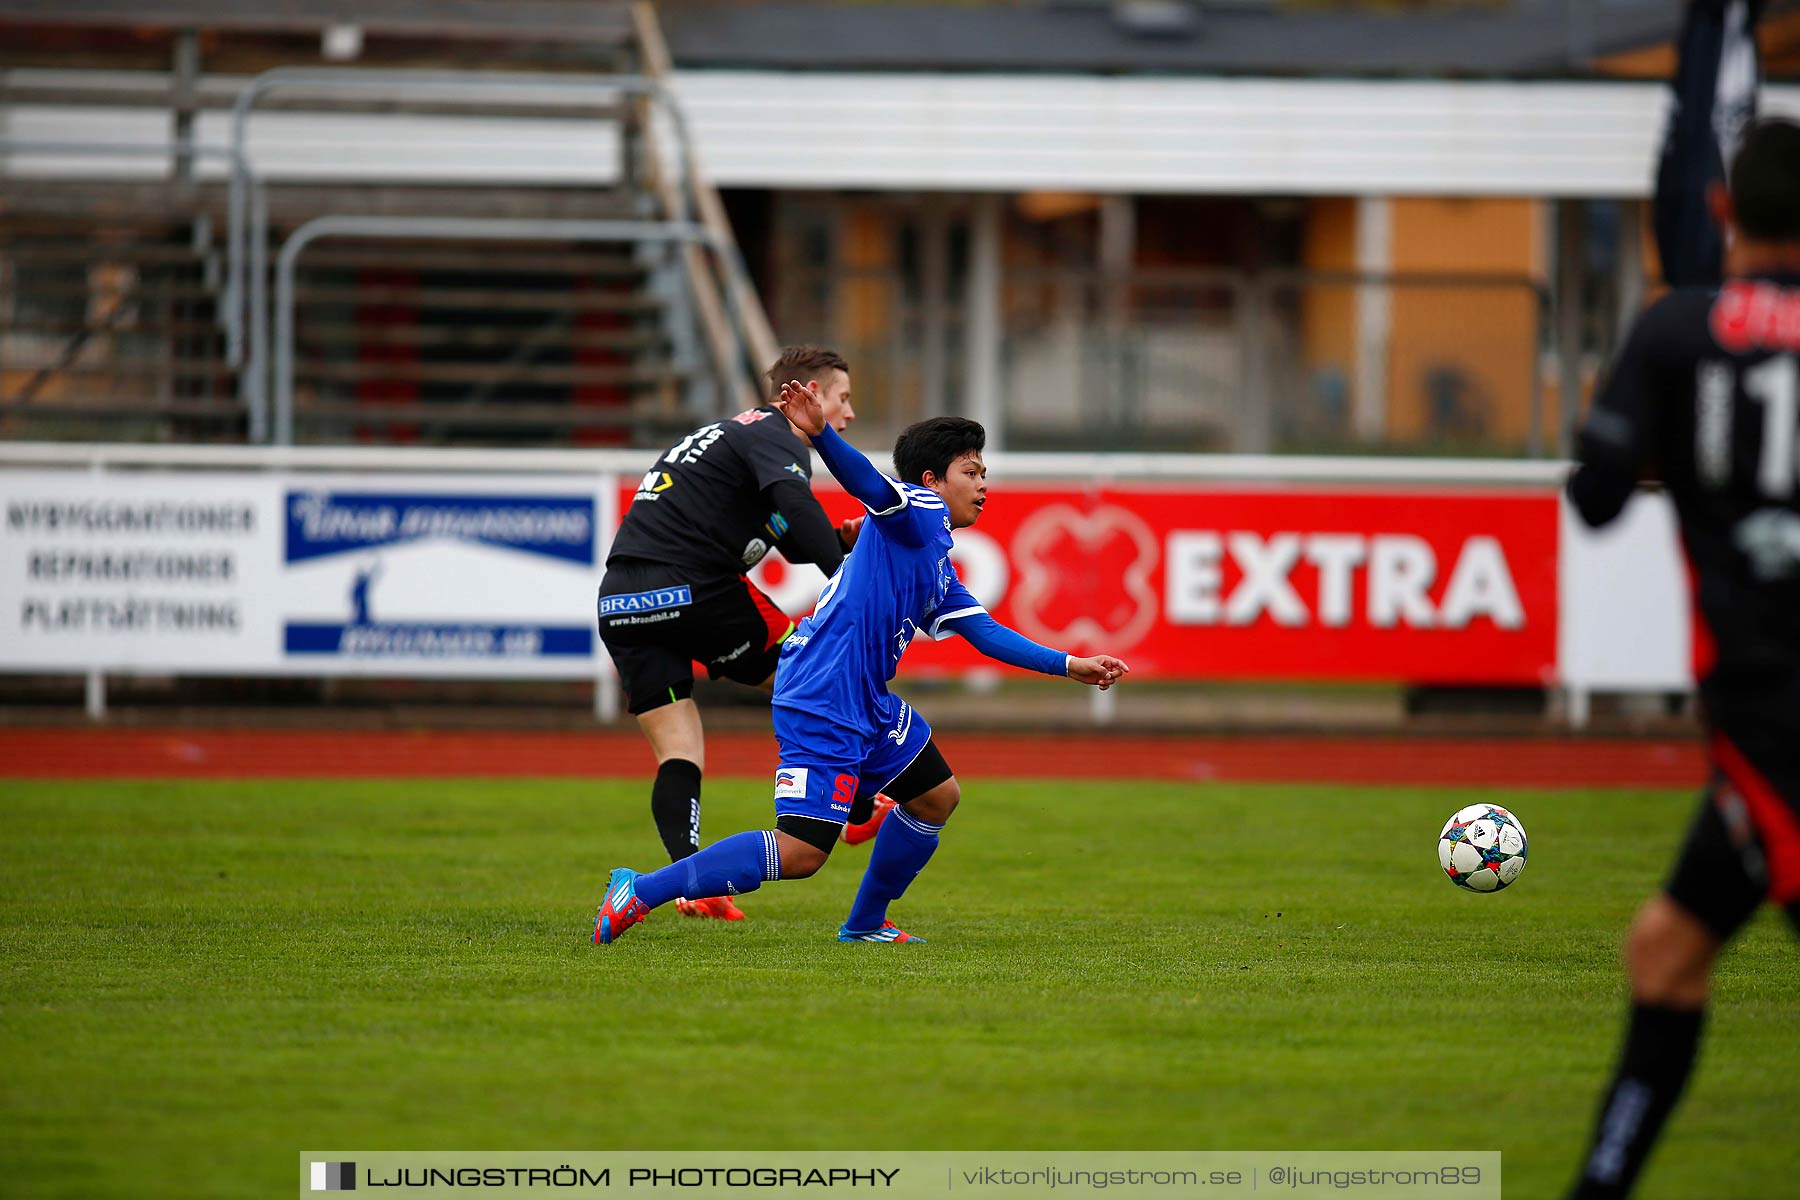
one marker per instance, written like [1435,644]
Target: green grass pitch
[200,979]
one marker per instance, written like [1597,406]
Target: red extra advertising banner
[1213,582]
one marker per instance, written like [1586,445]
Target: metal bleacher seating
[130,309]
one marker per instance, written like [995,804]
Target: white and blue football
[1482,848]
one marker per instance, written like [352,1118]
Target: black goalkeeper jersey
[711,503]
[1705,397]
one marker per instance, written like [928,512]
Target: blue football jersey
[897,583]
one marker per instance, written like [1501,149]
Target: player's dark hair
[1765,182]
[933,444]
[804,363]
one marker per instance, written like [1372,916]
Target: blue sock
[902,848]
[731,867]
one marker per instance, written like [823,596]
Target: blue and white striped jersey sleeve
[915,515]
[958,601]
[926,505]
[960,614]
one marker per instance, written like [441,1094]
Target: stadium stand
[127,313]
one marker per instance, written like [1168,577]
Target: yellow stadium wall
[1488,336]
[1328,315]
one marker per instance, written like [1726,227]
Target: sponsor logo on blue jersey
[903,637]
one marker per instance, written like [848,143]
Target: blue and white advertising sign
[483,576]
[283,573]
[137,572]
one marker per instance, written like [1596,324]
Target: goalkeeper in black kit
[1705,398]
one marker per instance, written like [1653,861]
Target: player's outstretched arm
[1009,646]
[800,404]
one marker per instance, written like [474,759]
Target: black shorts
[1744,846]
[658,621]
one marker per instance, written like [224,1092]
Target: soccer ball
[1482,848]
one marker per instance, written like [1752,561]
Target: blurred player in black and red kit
[1706,398]
[676,593]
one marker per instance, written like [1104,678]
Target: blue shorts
[825,766]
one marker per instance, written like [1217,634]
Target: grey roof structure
[1520,39]
[1503,39]
[473,19]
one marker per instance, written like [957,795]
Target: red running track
[311,754]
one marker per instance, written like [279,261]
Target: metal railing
[629,463]
[243,308]
[448,228]
[228,313]
[1450,347]
[1287,361]
[251,226]
[230,307]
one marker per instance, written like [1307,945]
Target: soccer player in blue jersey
[843,734]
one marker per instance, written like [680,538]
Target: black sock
[675,803]
[861,809]
[1660,1046]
